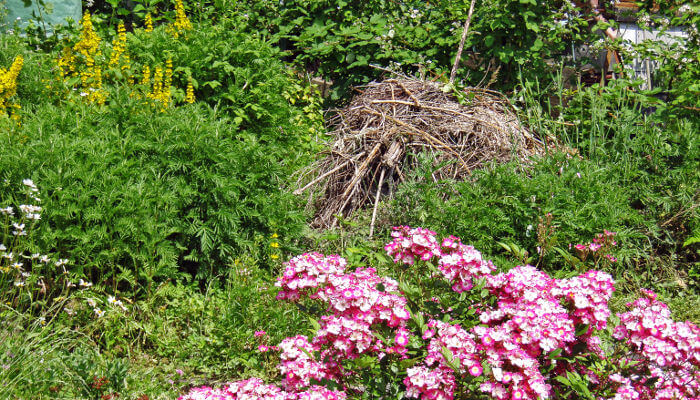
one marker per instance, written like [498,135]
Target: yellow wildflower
[146,78]
[8,86]
[88,50]
[182,23]
[89,41]
[119,49]
[189,97]
[148,23]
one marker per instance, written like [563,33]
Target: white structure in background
[633,33]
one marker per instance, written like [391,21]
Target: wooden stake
[376,202]
[461,42]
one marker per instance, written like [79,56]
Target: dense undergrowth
[146,178]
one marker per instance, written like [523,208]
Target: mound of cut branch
[376,138]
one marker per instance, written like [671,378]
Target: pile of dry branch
[376,137]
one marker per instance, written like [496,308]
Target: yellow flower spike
[89,41]
[8,86]
[148,23]
[189,97]
[167,82]
[81,58]
[182,23]
[118,47]
[146,75]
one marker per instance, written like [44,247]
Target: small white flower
[2,247]
[7,211]
[84,284]
[19,283]
[99,312]
[91,302]
[28,183]
[45,259]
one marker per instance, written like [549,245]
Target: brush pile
[377,138]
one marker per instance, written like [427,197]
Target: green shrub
[506,203]
[235,72]
[133,194]
[655,156]
[340,40]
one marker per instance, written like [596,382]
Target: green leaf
[581,329]
[316,326]
[533,27]
[554,353]
[537,45]
[691,240]
[450,359]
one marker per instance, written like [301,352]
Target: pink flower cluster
[599,247]
[670,350]
[530,319]
[458,343]
[359,302]
[355,301]
[530,316]
[588,296]
[429,383]
[297,364]
[460,264]
[256,389]
[357,294]
[528,323]
[436,378]
[410,244]
[308,272]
